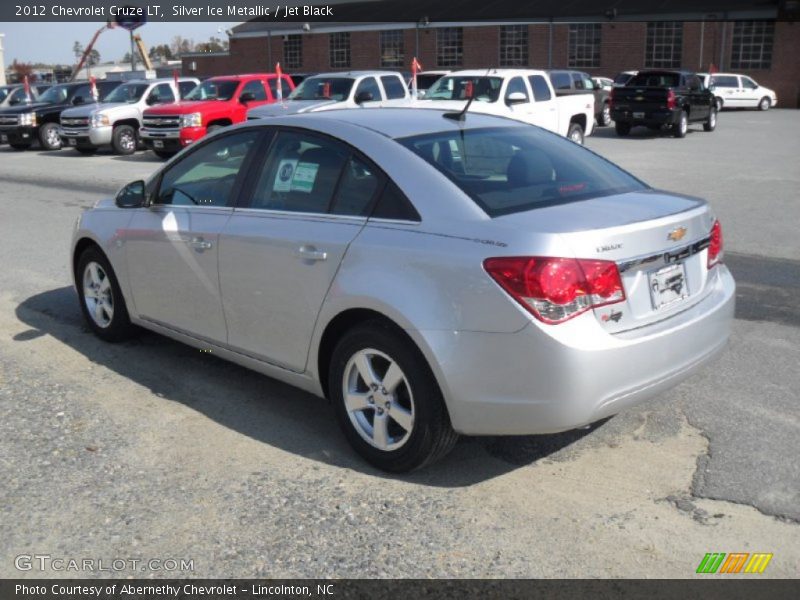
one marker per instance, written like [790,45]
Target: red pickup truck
[215,103]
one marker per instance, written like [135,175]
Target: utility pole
[133,52]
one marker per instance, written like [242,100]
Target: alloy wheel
[97,294]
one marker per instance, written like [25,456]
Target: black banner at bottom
[414,589]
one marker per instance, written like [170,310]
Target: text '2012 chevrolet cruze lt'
[431,274]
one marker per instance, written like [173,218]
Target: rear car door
[727,88]
[544,111]
[172,245]
[395,91]
[282,248]
[699,98]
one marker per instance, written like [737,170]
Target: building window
[392,49]
[752,44]
[293,51]
[514,46]
[584,45]
[664,40]
[340,50]
[449,46]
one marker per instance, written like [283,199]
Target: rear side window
[560,80]
[256,88]
[104,88]
[393,204]
[185,87]
[578,81]
[514,169]
[541,91]
[393,86]
[273,87]
[357,188]
[724,81]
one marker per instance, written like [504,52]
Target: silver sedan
[430,275]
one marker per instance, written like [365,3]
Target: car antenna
[461,116]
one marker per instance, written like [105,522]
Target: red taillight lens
[611,98]
[670,99]
[557,289]
[715,251]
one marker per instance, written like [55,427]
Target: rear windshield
[513,169]
[622,78]
[655,80]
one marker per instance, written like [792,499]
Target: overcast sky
[52,42]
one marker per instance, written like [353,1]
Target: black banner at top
[389,11]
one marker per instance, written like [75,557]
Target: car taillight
[611,98]
[715,250]
[557,289]
[670,99]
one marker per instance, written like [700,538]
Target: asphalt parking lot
[150,449]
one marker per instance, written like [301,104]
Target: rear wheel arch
[580,120]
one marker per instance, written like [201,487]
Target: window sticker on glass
[304,176]
[283,179]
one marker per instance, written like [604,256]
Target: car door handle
[200,244]
[311,253]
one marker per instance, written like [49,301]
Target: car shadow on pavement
[641,133]
[262,408]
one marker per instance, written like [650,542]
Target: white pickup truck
[522,94]
[331,91]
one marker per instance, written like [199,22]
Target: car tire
[101,300]
[622,129]
[416,427]
[19,145]
[711,122]
[124,140]
[764,103]
[680,128]
[48,137]
[575,133]
[604,118]
[719,103]
[164,154]
[212,128]
[86,150]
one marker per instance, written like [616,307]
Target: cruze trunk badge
[676,234]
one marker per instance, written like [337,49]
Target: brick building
[767,50]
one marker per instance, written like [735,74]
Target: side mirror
[246,97]
[132,195]
[362,97]
[151,100]
[516,98]
[15,101]
[79,100]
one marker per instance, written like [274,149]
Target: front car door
[699,98]
[172,245]
[280,251]
[368,85]
[749,94]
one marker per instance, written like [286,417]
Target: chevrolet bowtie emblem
[676,234]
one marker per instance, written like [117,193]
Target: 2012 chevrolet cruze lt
[430,276]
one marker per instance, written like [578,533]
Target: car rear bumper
[650,117]
[545,378]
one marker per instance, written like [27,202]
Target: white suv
[732,90]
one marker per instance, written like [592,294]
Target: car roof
[395,122]
[492,71]
[374,73]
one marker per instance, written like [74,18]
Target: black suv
[26,123]
[566,82]
[661,99]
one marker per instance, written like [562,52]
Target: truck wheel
[48,136]
[711,123]
[575,133]
[718,102]
[19,145]
[604,118]
[764,103]
[212,128]
[680,128]
[387,400]
[124,139]
[164,154]
[622,129]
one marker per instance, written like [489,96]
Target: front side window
[256,88]
[450,46]
[517,86]
[206,176]
[392,48]
[484,89]
[185,87]
[663,46]
[161,94]
[749,83]
[561,80]
[369,86]
[340,50]
[300,174]
[541,91]
[514,169]
[394,87]
[584,45]
[55,95]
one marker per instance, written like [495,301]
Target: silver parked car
[430,276]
